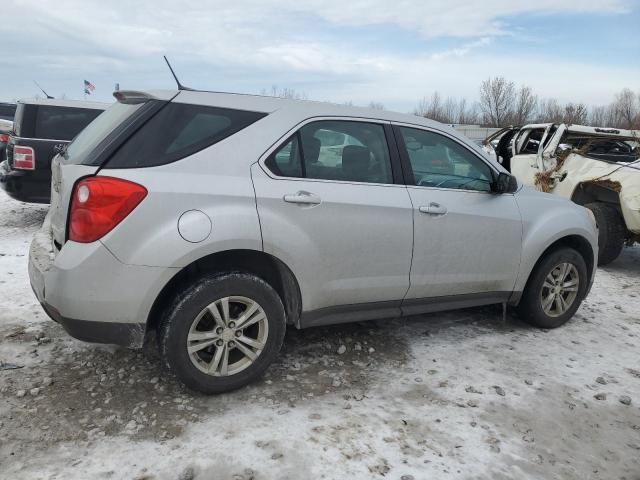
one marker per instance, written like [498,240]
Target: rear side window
[287,161]
[177,131]
[23,120]
[7,112]
[340,150]
[62,123]
[84,148]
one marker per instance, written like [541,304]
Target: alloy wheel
[560,289]
[227,336]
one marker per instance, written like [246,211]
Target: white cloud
[261,42]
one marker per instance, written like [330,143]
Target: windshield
[98,130]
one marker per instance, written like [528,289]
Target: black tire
[530,308]
[611,231]
[174,329]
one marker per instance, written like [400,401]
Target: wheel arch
[574,241]
[605,191]
[265,266]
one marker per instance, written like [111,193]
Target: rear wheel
[611,231]
[223,332]
[555,289]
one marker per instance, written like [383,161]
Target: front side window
[438,161]
[335,150]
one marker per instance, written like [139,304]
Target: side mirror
[505,183]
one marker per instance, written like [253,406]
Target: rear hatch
[91,148]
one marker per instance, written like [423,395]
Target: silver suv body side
[361,247]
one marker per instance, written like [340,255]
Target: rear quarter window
[62,123]
[7,112]
[177,131]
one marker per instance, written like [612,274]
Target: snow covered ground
[452,395]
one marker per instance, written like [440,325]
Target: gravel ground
[454,395]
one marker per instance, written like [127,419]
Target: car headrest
[355,161]
[311,148]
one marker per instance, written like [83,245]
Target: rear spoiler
[132,97]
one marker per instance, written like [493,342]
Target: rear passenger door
[332,206]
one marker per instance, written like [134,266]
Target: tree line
[502,103]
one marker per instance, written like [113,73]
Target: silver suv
[216,220]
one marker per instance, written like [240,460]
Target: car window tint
[286,161]
[438,161]
[177,131]
[98,130]
[335,150]
[346,151]
[7,112]
[62,123]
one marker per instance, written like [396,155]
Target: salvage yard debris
[598,168]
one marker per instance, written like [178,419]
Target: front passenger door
[467,240]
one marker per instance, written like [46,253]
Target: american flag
[88,87]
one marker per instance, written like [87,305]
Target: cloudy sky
[393,52]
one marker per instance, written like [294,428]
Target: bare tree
[550,111]
[598,116]
[450,110]
[431,108]
[284,92]
[572,113]
[376,105]
[575,113]
[497,96]
[627,110]
[525,105]
[467,114]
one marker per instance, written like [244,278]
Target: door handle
[302,198]
[433,209]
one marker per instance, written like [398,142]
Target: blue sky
[360,51]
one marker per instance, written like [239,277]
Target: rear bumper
[95,297]
[26,185]
[124,334]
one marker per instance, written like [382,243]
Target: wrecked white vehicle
[595,167]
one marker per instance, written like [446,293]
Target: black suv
[41,128]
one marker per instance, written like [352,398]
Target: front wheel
[223,332]
[555,289]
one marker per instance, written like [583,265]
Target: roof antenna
[42,89]
[180,86]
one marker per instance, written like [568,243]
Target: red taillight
[4,138]
[99,204]
[24,158]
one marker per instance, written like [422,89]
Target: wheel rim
[227,336]
[560,289]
